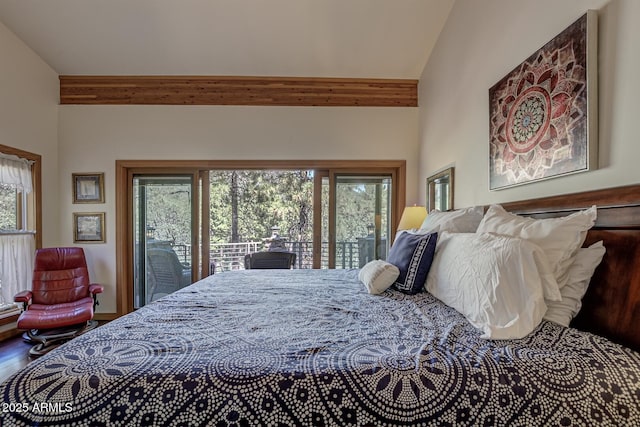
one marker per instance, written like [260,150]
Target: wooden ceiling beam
[212,90]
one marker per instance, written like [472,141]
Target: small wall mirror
[440,191]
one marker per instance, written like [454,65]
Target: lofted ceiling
[304,38]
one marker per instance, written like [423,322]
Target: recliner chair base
[49,339]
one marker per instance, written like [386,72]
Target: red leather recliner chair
[60,306]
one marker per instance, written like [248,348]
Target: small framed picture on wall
[88,187]
[88,227]
[440,190]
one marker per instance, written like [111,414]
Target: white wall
[484,40]
[29,118]
[93,137]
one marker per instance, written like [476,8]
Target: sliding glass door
[163,230]
[203,217]
[359,221]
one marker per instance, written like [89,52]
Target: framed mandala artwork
[543,114]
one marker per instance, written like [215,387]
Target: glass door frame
[128,304]
[360,172]
[141,268]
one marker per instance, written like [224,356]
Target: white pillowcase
[421,231]
[559,238]
[378,276]
[497,282]
[572,293]
[458,221]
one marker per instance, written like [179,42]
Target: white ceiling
[315,38]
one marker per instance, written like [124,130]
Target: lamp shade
[412,217]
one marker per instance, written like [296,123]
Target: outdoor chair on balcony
[269,260]
[61,302]
[166,273]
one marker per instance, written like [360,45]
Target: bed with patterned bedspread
[312,347]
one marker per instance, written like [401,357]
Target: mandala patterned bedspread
[290,347]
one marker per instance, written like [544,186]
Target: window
[20,219]
[20,193]
[10,199]
[252,209]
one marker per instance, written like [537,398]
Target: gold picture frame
[89,227]
[440,190]
[88,187]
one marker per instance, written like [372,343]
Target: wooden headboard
[611,307]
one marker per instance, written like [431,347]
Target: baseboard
[5,335]
[105,316]
[8,327]
[9,319]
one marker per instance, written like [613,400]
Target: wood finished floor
[14,355]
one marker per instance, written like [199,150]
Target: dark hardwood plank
[611,306]
[14,355]
[620,196]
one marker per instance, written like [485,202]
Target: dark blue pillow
[412,254]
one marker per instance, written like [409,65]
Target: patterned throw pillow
[412,254]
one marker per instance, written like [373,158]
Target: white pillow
[458,221]
[378,275]
[497,282]
[421,231]
[572,293]
[559,238]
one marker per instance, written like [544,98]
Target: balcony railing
[230,256]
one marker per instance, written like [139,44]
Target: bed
[313,347]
